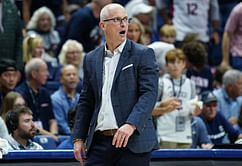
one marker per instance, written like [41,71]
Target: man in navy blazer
[118,96]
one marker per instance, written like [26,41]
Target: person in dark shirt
[217,126]
[36,96]
[8,77]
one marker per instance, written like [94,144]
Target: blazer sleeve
[85,105]
[147,78]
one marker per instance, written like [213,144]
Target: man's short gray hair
[231,76]
[104,14]
[32,65]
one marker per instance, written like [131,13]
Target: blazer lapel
[99,69]
[123,58]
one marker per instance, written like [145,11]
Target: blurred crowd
[197,45]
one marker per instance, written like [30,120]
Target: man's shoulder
[57,95]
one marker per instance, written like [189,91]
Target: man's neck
[35,86]
[20,140]
[69,92]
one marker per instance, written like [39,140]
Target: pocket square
[130,65]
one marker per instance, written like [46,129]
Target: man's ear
[101,25]
[34,74]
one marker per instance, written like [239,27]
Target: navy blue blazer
[133,95]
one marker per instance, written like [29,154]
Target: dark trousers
[103,153]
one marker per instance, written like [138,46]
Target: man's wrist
[77,140]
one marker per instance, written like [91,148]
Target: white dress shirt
[106,118]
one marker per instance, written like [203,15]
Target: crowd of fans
[197,45]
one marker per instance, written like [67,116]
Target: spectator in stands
[231,46]
[14,99]
[30,6]
[174,126]
[69,11]
[36,96]
[86,19]
[197,69]
[68,144]
[21,127]
[43,24]
[200,137]
[136,31]
[217,125]
[230,95]
[167,36]
[186,16]
[143,12]
[65,97]
[72,53]
[218,75]
[33,48]
[10,34]
[8,77]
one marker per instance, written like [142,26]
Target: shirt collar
[119,49]
[29,145]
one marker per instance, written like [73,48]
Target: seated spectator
[33,48]
[72,53]
[136,31]
[168,34]
[68,144]
[36,96]
[174,126]
[43,24]
[199,134]
[65,97]
[21,127]
[15,99]
[8,77]
[218,76]
[197,69]
[217,125]
[230,95]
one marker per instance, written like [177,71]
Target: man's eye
[116,19]
[125,19]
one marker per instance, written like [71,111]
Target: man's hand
[122,135]
[78,148]
[233,120]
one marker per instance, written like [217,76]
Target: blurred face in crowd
[69,78]
[168,39]
[26,129]
[19,102]
[134,32]
[41,75]
[38,51]
[8,79]
[73,56]
[175,68]
[235,89]
[144,18]
[209,110]
[116,25]
[44,22]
